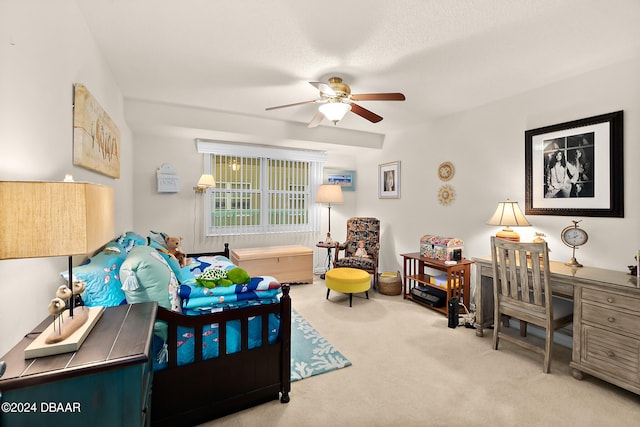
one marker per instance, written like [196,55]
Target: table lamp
[49,219]
[329,194]
[508,214]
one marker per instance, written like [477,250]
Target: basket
[390,283]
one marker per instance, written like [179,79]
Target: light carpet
[311,353]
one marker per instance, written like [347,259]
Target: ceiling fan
[336,100]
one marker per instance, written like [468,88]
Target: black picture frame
[592,182]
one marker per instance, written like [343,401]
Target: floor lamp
[329,194]
[50,219]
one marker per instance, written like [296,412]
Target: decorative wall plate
[446,194]
[446,171]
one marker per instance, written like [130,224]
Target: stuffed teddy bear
[173,246]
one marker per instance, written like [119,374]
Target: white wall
[44,50]
[486,146]
[166,134]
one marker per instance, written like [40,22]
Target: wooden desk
[606,318]
[107,382]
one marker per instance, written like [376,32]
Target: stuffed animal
[238,276]
[173,245]
[182,258]
[212,277]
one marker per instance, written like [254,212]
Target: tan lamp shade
[508,214]
[46,219]
[330,194]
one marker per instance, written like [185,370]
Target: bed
[215,361]
[208,388]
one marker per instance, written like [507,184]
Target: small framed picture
[389,180]
[344,178]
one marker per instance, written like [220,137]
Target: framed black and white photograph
[575,168]
[389,180]
[344,178]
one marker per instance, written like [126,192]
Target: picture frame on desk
[576,168]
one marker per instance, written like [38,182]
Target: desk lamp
[508,214]
[329,194]
[50,219]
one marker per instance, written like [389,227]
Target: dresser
[107,382]
[606,319]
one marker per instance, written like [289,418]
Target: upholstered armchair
[366,230]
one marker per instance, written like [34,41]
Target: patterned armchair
[366,230]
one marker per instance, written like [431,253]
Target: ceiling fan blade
[378,97]
[364,113]
[291,105]
[324,88]
[316,120]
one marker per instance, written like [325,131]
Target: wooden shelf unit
[415,272]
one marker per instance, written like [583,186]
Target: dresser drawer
[609,353]
[602,315]
[612,299]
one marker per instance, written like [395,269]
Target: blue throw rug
[311,354]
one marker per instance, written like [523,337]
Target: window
[261,189]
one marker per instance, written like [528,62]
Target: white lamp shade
[334,111]
[330,194]
[508,214]
[206,181]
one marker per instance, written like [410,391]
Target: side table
[328,246]
[107,382]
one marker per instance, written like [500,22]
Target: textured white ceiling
[445,55]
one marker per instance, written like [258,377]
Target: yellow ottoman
[348,281]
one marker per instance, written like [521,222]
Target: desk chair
[521,293]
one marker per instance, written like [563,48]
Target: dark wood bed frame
[208,389]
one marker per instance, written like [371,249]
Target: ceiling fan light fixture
[334,111]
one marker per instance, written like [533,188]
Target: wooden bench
[288,264]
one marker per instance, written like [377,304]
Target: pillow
[101,275]
[130,239]
[156,238]
[146,276]
[171,260]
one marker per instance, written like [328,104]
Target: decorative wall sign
[96,138]
[576,168]
[168,179]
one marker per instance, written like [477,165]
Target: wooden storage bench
[288,264]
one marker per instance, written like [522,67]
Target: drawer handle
[610,353]
[610,300]
[611,319]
